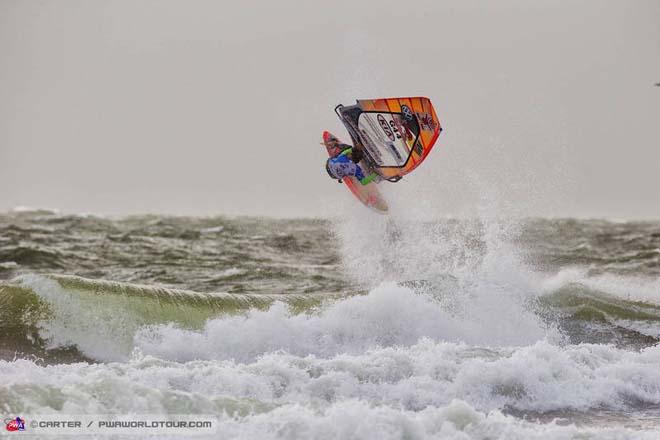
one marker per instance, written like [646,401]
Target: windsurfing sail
[397,133]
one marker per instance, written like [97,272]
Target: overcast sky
[217,107]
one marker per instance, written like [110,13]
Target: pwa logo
[16,424]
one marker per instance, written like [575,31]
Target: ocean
[369,327]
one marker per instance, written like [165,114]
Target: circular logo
[407,113]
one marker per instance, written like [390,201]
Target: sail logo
[385,126]
[395,152]
[16,424]
[406,112]
[426,121]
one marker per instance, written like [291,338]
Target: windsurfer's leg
[370,178]
[359,174]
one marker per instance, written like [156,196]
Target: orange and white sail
[397,133]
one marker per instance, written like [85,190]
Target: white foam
[630,288]
[426,390]
[212,230]
[359,420]
[389,315]
[21,209]
[541,377]
[232,271]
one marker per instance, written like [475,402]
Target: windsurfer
[347,163]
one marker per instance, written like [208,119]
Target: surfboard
[368,194]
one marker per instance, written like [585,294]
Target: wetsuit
[342,166]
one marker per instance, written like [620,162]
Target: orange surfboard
[368,194]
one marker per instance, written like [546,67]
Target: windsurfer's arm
[354,153]
[346,152]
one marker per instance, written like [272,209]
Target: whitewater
[371,327]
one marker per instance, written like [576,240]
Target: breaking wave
[105,320]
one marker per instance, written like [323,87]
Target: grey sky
[213,107]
